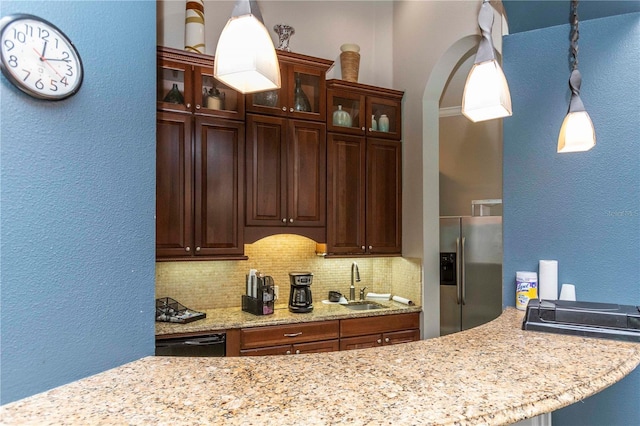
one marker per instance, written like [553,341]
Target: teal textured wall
[78,203]
[582,209]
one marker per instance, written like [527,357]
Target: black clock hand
[44,49]
[57,59]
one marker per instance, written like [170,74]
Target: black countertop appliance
[300,299]
[587,319]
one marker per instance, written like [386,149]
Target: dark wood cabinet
[285,177]
[366,106]
[321,336]
[199,165]
[310,73]
[192,76]
[369,332]
[364,171]
[174,184]
[364,195]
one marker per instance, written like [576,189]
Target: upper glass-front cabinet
[186,83]
[360,109]
[303,90]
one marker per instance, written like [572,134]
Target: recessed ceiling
[533,14]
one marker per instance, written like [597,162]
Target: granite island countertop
[479,376]
[222,319]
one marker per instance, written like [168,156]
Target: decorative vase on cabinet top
[383,124]
[341,117]
[300,100]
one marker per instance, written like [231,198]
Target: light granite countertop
[493,374]
[227,318]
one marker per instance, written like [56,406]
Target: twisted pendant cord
[575,34]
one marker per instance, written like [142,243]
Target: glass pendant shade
[577,133]
[486,93]
[245,57]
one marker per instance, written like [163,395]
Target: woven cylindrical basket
[350,64]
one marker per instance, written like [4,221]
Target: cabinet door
[351,103]
[173,74]
[376,108]
[316,347]
[384,196]
[397,337]
[226,103]
[346,175]
[219,161]
[361,342]
[266,170]
[174,185]
[306,174]
[313,85]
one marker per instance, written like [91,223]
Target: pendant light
[577,132]
[486,93]
[245,58]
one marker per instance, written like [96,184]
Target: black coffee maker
[300,299]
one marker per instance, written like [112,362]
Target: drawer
[257,337]
[379,324]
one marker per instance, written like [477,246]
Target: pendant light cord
[575,34]
[575,80]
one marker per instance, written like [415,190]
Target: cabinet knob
[197,249]
[284,108]
[188,105]
[290,109]
[298,351]
[370,129]
[284,220]
[197,106]
[363,129]
[370,247]
[187,249]
[291,220]
[386,340]
[379,341]
[363,248]
[288,353]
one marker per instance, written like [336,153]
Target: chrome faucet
[355,277]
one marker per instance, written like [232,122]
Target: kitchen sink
[364,305]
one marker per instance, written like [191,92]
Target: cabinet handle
[290,220]
[297,351]
[197,106]
[290,109]
[284,108]
[386,340]
[370,129]
[284,220]
[364,129]
[288,353]
[188,105]
[197,248]
[363,248]
[379,341]
[187,249]
[299,333]
[370,247]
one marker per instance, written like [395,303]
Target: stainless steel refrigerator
[470,271]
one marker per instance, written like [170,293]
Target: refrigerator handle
[463,268]
[458,261]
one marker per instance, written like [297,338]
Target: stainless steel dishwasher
[204,345]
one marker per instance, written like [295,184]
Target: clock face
[38,58]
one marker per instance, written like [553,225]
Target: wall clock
[38,58]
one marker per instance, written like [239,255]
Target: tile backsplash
[203,285]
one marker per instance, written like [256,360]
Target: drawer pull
[299,333]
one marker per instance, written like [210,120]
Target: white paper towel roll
[548,274]
[403,300]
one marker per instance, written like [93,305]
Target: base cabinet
[324,336]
